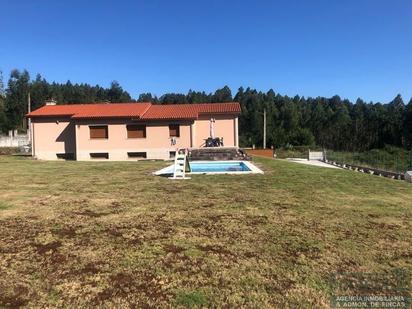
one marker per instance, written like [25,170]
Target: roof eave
[167,119]
[104,117]
[48,115]
[220,113]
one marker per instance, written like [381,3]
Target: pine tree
[147,97]
[116,94]
[222,95]
[2,98]
[407,126]
[173,98]
[16,98]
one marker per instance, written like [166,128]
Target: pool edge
[253,169]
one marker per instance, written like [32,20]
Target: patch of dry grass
[80,234]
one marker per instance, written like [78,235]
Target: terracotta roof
[112,110]
[146,111]
[171,111]
[190,111]
[218,108]
[92,110]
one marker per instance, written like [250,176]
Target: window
[141,155]
[99,155]
[99,132]
[172,154]
[174,130]
[136,131]
[65,156]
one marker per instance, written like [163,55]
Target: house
[127,131]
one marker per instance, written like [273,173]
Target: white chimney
[50,102]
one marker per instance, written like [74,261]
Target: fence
[296,152]
[389,159]
[268,153]
[14,140]
[316,155]
[302,152]
[398,161]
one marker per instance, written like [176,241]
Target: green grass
[191,299]
[389,158]
[3,206]
[107,234]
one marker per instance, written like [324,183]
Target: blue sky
[359,48]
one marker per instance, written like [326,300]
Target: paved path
[311,162]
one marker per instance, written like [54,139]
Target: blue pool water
[204,167]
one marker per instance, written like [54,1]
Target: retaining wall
[13,140]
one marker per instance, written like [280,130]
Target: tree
[2,98]
[116,94]
[147,97]
[198,97]
[407,126]
[39,92]
[222,95]
[395,113]
[302,137]
[2,93]
[16,98]
[173,98]
[330,122]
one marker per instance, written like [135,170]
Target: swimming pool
[220,166]
[216,167]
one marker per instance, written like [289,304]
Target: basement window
[99,155]
[101,132]
[174,130]
[172,154]
[136,131]
[137,155]
[65,156]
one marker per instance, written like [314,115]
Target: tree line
[332,123]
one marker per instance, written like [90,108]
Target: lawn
[390,158]
[85,234]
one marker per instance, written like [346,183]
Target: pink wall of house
[224,126]
[52,136]
[157,143]
[157,136]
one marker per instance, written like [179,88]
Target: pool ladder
[181,162]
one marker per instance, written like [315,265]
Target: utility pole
[28,119]
[264,128]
